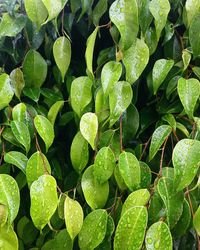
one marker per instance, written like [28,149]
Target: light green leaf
[182,128]
[34,69]
[81,94]
[93,230]
[186,57]
[6,92]
[54,7]
[131,228]
[8,238]
[21,133]
[3,215]
[135,60]
[89,128]
[120,98]
[17,81]
[101,106]
[98,11]
[161,69]
[44,200]
[54,110]
[194,34]
[158,237]
[196,220]
[62,54]
[45,130]
[129,168]
[9,196]
[36,11]
[73,217]
[86,6]
[160,10]
[104,164]
[169,118]
[110,75]
[124,14]
[159,136]
[119,180]
[155,210]
[192,9]
[186,159]
[17,159]
[89,52]
[189,92]
[145,175]
[137,198]
[95,194]
[19,112]
[37,166]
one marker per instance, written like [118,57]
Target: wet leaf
[196,220]
[17,159]
[194,34]
[54,110]
[8,238]
[145,175]
[6,92]
[54,7]
[17,81]
[186,57]
[19,112]
[99,11]
[192,9]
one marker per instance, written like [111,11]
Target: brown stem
[162,156]
[121,134]
[145,147]
[175,135]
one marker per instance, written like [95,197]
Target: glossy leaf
[186,57]
[17,159]
[145,175]
[54,110]
[53,7]
[44,200]
[196,220]
[135,60]
[19,112]
[8,238]
[6,92]
[131,228]
[17,81]
[186,158]
[98,11]
[192,9]
[194,34]
[3,215]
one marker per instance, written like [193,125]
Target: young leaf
[45,130]
[192,9]
[104,164]
[124,14]
[95,194]
[9,196]
[62,54]
[135,60]
[186,57]
[8,238]
[34,69]
[129,168]
[89,128]
[44,200]
[81,94]
[73,217]
[19,112]
[110,75]
[89,52]
[131,229]
[6,92]
[158,138]
[169,118]
[186,158]
[37,166]
[189,92]
[17,81]
[53,112]
[21,133]
[161,69]
[158,237]
[196,220]
[160,10]
[17,159]
[93,230]
[119,99]
[54,7]
[194,34]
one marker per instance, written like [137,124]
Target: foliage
[99,124]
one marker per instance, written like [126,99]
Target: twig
[162,156]
[121,134]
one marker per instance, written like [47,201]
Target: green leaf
[194,34]
[8,238]
[9,196]
[101,106]
[21,133]
[124,14]
[160,10]
[131,228]
[161,69]
[32,93]
[137,198]
[129,168]
[86,6]
[186,159]
[135,60]
[34,69]
[19,112]
[54,7]
[189,92]
[89,128]
[73,217]
[98,11]
[158,237]
[155,210]
[17,81]
[95,194]
[36,11]
[104,164]
[62,54]
[81,94]
[145,175]
[192,10]
[89,52]
[158,138]
[169,118]
[44,200]
[120,98]
[110,75]
[37,166]
[10,26]
[196,220]
[54,110]
[3,215]
[17,159]
[6,92]
[45,130]
[93,230]
[186,57]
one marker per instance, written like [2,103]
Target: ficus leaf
[54,110]
[17,159]
[196,220]
[6,92]
[99,10]
[145,175]
[3,215]
[19,112]
[186,57]
[192,9]
[194,35]
[8,238]
[17,81]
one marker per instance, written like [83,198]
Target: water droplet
[157,244]
[149,240]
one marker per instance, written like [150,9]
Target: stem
[162,156]
[145,147]
[121,134]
